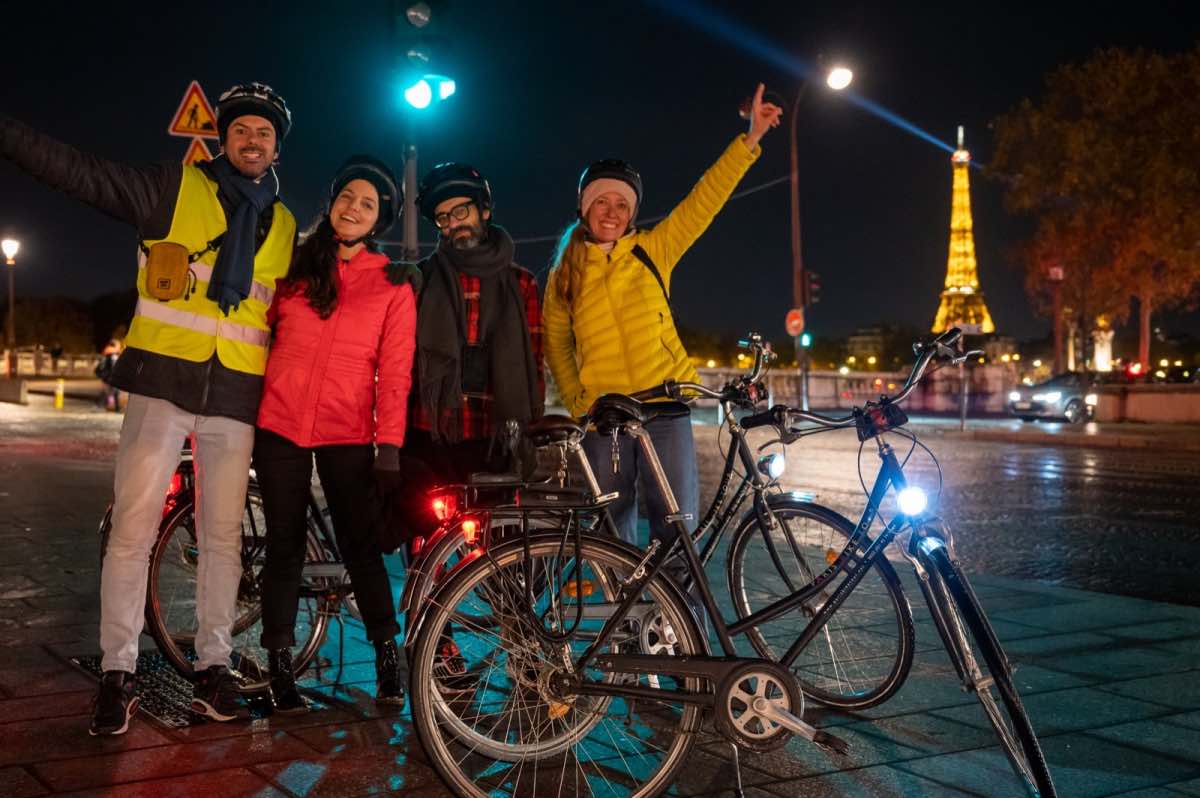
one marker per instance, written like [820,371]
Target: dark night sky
[543,88]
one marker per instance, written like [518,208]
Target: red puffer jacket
[321,385]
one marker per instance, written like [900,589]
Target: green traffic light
[806,340]
[421,95]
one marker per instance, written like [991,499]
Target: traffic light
[812,288]
[805,340]
[421,48]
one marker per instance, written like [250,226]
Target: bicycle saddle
[552,429]
[614,410]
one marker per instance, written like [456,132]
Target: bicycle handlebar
[782,416]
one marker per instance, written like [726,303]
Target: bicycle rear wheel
[171,596]
[512,733]
[863,653]
[985,670]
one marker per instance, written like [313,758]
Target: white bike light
[772,465]
[912,500]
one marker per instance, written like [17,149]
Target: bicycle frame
[850,561]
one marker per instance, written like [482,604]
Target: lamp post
[837,78]
[10,247]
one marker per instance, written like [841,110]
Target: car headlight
[1015,396]
[912,500]
[1091,400]
[1052,396]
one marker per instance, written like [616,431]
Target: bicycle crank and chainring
[748,704]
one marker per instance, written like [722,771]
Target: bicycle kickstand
[737,772]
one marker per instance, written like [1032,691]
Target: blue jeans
[672,438]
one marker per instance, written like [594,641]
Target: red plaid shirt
[475,410]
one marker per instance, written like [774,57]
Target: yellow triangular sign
[196,153]
[195,116]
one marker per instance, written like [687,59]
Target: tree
[1106,161]
[46,321]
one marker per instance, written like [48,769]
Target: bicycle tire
[486,769]
[1015,732]
[170,622]
[864,653]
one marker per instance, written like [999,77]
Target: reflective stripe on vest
[204,272]
[221,328]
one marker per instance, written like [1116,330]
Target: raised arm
[130,194]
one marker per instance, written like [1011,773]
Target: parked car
[1068,396]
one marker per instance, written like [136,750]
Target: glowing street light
[10,246]
[839,78]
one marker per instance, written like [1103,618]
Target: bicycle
[560,687]
[171,582]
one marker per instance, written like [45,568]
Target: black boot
[284,694]
[387,674]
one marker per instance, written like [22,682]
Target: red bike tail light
[176,484]
[444,506]
[470,528]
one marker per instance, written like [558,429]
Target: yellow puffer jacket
[617,335]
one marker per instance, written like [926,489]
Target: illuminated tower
[962,301]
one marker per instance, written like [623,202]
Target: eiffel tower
[962,301]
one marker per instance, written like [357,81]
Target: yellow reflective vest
[192,328]
[617,334]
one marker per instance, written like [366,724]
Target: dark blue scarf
[234,270]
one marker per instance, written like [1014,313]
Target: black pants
[284,475]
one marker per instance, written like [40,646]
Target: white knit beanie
[603,185]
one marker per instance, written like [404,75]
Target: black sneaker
[214,694]
[284,694]
[388,688]
[114,704]
[450,671]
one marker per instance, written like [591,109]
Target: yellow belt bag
[167,265]
[168,268]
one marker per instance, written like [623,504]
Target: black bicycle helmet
[253,98]
[448,180]
[378,174]
[613,169]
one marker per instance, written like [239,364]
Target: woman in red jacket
[336,386]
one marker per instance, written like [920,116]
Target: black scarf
[503,329]
[234,270]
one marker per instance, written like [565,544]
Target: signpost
[793,322]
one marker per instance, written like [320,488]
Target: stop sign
[794,322]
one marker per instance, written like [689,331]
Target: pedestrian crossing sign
[196,153]
[195,116]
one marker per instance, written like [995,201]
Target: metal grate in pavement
[166,696]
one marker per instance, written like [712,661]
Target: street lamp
[10,247]
[837,78]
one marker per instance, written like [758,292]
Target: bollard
[59,389]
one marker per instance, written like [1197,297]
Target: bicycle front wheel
[511,732]
[171,596]
[863,653]
[985,670]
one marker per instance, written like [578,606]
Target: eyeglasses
[458,212]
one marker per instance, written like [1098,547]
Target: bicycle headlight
[912,500]
[772,466]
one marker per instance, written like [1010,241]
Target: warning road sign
[196,153]
[194,116]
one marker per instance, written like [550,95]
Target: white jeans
[148,452]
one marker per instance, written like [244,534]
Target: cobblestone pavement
[1110,682]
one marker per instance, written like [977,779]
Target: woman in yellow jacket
[607,321]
